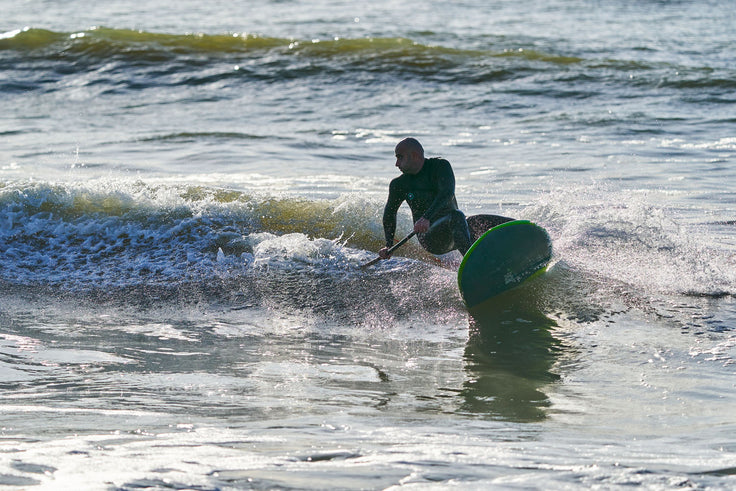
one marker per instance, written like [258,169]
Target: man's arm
[390,210]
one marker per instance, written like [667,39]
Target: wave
[128,60]
[119,232]
[103,43]
[54,233]
[144,243]
[194,59]
[155,245]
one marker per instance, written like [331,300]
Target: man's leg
[460,232]
[447,233]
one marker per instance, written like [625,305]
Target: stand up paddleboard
[501,258]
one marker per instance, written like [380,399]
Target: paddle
[391,250]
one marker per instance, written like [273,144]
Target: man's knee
[448,233]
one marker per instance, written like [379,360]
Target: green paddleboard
[501,259]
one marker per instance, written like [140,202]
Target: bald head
[412,145]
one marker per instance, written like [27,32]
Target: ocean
[188,190]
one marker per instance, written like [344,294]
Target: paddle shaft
[391,250]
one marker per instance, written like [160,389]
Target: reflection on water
[509,359]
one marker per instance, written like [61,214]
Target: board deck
[501,259]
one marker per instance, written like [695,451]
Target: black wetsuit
[430,194]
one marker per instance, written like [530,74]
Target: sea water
[188,190]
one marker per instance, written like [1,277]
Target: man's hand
[384,254]
[421,226]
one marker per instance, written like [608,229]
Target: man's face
[406,160]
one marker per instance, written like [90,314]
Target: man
[428,186]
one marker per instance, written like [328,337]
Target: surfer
[428,186]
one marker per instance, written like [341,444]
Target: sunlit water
[188,190]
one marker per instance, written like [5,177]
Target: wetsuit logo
[409,196]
